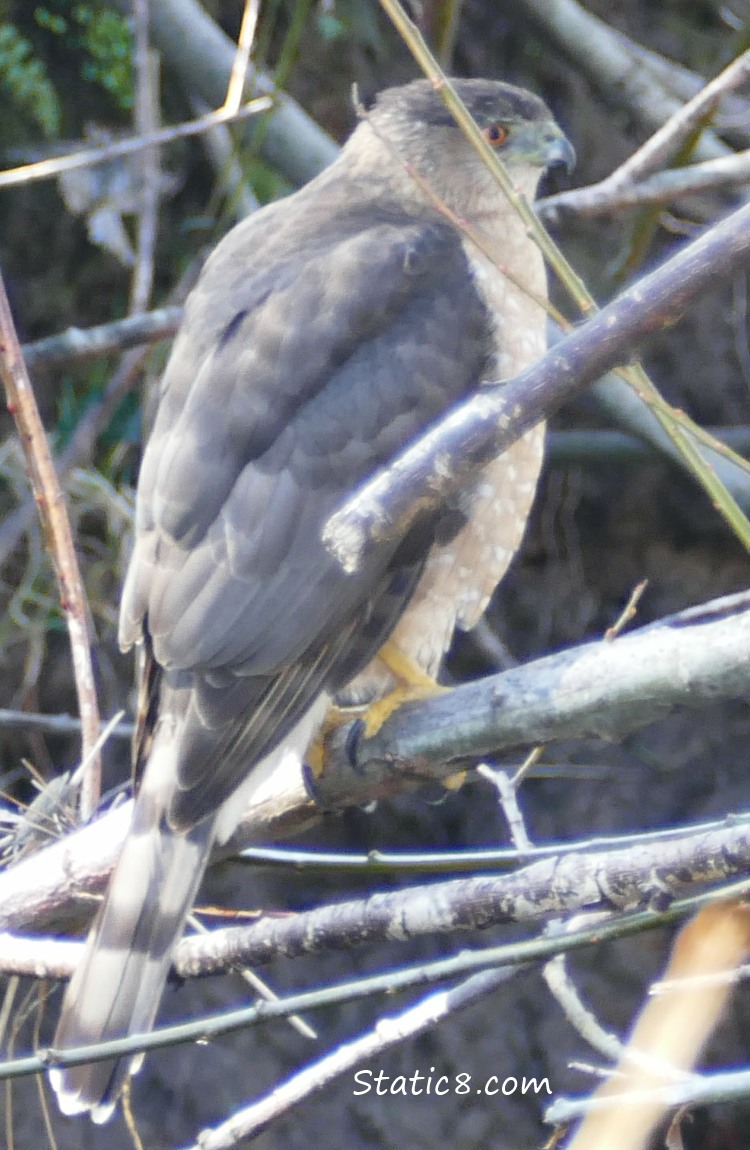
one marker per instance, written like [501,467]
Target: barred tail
[117,987]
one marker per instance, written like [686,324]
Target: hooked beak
[557,152]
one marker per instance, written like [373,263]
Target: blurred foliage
[356,22]
[46,50]
[24,78]
[353,20]
[101,517]
[101,41]
[77,396]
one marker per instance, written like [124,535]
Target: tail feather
[118,984]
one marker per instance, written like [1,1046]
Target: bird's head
[414,122]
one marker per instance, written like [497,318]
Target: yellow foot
[412,683]
[408,673]
[455,782]
[316,752]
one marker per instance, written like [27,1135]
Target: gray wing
[301,367]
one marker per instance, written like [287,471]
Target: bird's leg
[411,683]
[335,717]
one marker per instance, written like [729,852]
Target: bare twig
[56,524]
[667,140]
[698,1090]
[628,613]
[576,447]
[579,1015]
[665,187]
[625,407]
[85,157]
[84,343]
[146,64]
[388,1032]
[628,185]
[222,155]
[55,724]
[507,792]
[258,984]
[238,76]
[564,884]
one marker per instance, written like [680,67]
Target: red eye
[496,134]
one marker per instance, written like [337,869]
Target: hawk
[324,334]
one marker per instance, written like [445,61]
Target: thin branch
[663,188]
[258,985]
[86,157]
[580,1017]
[393,981]
[479,429]
[84,343]
[678,129]
[238,76]
[222,155]
[51,503]
[459,861]
[625,407]
[586,447]
[146,64]
[387,1033]
[699,1090]
[562,884]
[55,724]
[499,778]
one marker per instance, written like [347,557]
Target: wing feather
[318,368]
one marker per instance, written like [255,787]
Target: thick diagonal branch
[442,461]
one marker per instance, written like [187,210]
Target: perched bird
[324,334]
